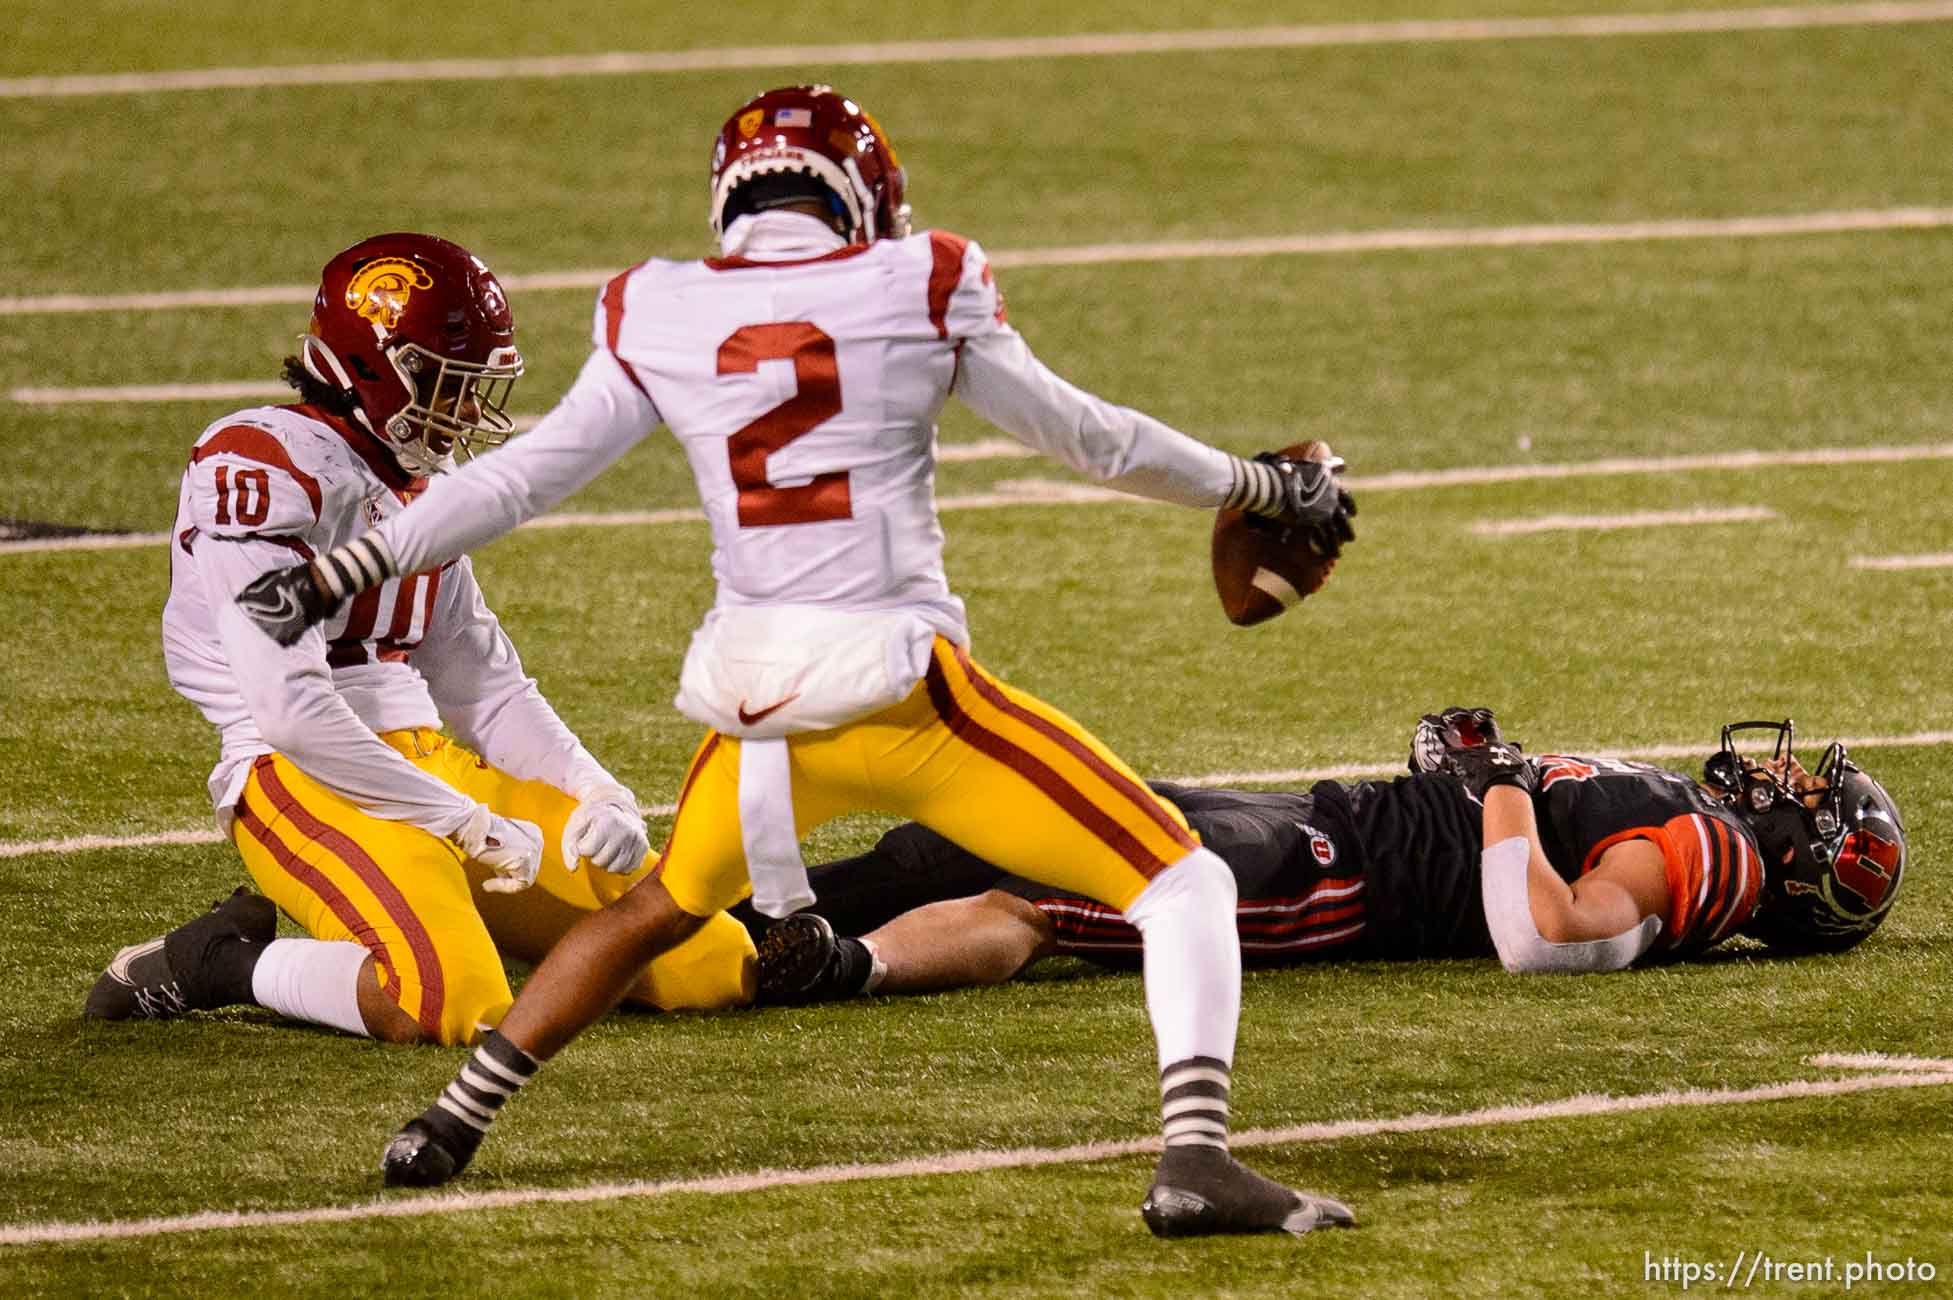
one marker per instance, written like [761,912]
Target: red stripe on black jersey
[1731,887]
[1333,913]
[1714,880]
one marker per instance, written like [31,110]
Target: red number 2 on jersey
[817,400]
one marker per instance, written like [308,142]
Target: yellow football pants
[1006,776]
[415,903]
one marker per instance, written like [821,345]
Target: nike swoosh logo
[286,607]
[753,719]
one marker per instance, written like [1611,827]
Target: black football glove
[1466,744]
[1451,728]
[1315,503]
[284,602]
[1480,767]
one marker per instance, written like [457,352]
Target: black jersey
[1421,837]
[1585,806]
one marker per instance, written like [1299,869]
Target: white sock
[1192,958]
[315,980]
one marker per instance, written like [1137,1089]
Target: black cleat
[794,956]
[200,964]
[427,1154]
[1200,1191]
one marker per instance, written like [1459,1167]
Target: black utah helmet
[1834,852]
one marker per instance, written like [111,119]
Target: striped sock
[1193,1102]
[490,1078]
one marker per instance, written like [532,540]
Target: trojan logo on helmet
[417,332]
[380,290]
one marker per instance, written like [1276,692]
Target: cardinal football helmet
[419,331]
[1833,848]
[816,133]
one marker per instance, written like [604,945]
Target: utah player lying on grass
[1595,864]
[399,850]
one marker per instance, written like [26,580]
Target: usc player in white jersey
[400,850]
[802,371]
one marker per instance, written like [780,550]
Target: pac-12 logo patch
[1320,845]
[379,291]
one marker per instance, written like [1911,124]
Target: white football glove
[511,849]
[607,829]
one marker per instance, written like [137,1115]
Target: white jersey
[805,395]
[273,485]
[803,377]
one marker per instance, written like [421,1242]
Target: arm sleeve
[290,695]
[493,707]
[999,378]
[1506,868]
[604,415]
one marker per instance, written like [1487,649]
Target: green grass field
[1433,360]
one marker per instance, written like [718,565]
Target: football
[1257,575]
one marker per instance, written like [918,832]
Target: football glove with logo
[1308,497]
[284,602]
[1450,728]
[1466,744]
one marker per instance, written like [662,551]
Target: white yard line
[1411,32]
[1695,750]
[1614,523]
[1853,221]
[1897,563]
[1035,491]
[950,1163]
[228,390]
[84,843]
[95,542]
[1724,460]
[1285,776]
[1880,1061]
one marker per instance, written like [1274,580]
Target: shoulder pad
[964,297]
[245,479]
